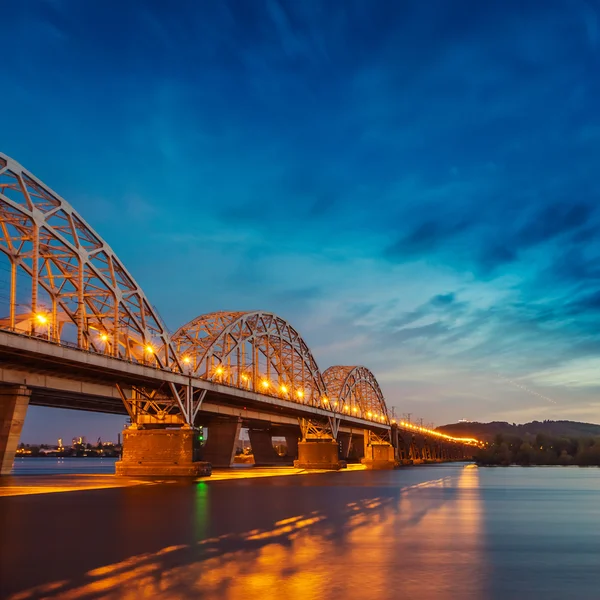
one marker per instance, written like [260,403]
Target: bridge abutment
[220,446]
[14,401]
[161,453]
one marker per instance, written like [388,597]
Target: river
[452,531]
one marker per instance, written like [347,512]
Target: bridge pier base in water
[14,401]
[319,454]
[161,453]
[380,456]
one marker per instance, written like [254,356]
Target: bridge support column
[223,437]
[14,401]
[318,454]
[379,454]
[261,442]
[345,443]
[161,453]
[358,446]
[291,440]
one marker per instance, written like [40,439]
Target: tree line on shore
[540,449]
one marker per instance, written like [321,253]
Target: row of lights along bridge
[221,375]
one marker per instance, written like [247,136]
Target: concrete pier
[380,456]
[14,401]
[220,446]
[161,453]
[261,442]
[319,454]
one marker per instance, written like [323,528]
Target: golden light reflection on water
[424,542]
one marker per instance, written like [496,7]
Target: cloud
[413,187]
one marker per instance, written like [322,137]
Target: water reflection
[417,541]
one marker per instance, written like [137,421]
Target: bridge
[78,332]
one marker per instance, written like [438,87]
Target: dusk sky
[413,185]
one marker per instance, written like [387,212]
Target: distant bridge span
[77,331]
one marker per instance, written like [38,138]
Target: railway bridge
[77,331]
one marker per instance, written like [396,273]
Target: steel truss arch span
[357,392]
[77,283]
[254,350]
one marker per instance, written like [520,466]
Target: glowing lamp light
[41,319]
[104,337]
[369,414]
[354,409]
[300,393]
[149,349]
[264,383]
[284,389]
[186,360]
[346,407]
[219,370]
[244,377]
[325,400]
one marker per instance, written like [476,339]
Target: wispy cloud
[413,186]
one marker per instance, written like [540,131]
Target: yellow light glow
[104,337]
[41,319]
[354,409]
[244,377]
[325,399]
[284,389]
[346,407]
[186,360]
[149,349]
[219,370]
[335,403]
[369,414]
[300,393]
[264,383]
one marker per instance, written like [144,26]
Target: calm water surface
[50,465]
[447,531]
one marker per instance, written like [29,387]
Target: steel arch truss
[257,351]
[80,292]
[356,392]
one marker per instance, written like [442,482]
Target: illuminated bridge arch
[251,350]
[356,392]
[66,284]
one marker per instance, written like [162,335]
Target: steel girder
[257,351]
[80,292]
[354,390]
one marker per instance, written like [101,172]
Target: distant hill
[488,431]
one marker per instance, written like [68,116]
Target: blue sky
[413,185]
